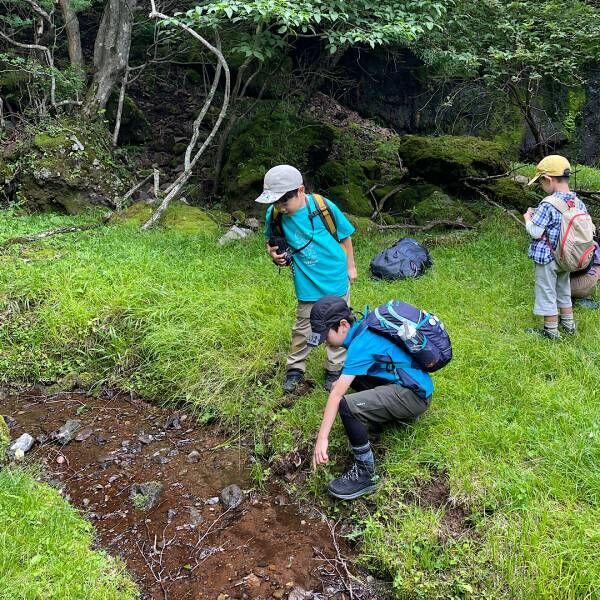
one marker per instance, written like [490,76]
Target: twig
[490,201]
[458,224]
[25,239]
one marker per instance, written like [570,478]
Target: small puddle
[188,545]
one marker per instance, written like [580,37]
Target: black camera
[282,246]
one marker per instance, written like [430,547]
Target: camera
[282,247]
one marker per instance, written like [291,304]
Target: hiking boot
[569,329]
[587,303]
[330,378]
[293,378]
[355,482]
[543,332]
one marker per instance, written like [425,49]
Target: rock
[447,159]
[195,517]
[511,193]
[67,432]
[144,496]
[60,459]
[442,206]
[21,445]
[234,233]
[144,438]
[173,422]
[135,127]
[84,434]
[278,594]
[298,593]
[521,179]
[231,496]
[212,501]
[171,514]
[193,456]
[351,198]
[11,423]
[252,223]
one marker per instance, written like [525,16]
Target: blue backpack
[429,346]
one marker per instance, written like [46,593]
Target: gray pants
[552,290]
[386,404]
[300,349]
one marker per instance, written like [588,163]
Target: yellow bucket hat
[553,165]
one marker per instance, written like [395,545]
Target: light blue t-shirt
[321,268]
[368,353]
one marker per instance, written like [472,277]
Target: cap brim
[268,197]
[536,177]
[315,339]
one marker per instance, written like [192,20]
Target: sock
[364,456]
[568,321]
[551,326]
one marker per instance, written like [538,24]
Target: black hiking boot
[570,329]
[355,482]
[293,378]
[330,378]
[543,332]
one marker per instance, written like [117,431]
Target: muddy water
[188,545]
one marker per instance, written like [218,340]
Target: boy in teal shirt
[321,264]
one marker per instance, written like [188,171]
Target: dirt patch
[175,534]
[435,493]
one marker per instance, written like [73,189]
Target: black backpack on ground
[406,258]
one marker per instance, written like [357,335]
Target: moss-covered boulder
[135,127]
[405,199]
[178,217]
[447,159]
[441,206]
[66,167]
[272,136]
[351,198]
[512,194]
[361,224]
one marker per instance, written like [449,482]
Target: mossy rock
[179,217]
[351,198]
[272,136]
[135,127]
[336,172]
[511,194]
[441,206]
[406,198]
[4,437]
[361,224]
[447,159]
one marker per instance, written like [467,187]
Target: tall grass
[513,423]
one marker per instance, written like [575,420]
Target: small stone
[84,434]
[10,421]
[173,422]
[60,459]
[231,496]
[298,593]
[144,438]
[172,453]
[252,581]
[234,233]
[196,517]
[171,514]
[193,456]
[222,597]
[213,500]
[23,443]
[67,432]
[278,594]
[86,502]
[145,495]
[370,579]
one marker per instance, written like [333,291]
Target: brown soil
[435,493]
[188,545]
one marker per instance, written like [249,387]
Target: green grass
[45,547]
[583,178]
[514,419]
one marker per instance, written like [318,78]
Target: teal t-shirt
[367,355]
[321,268]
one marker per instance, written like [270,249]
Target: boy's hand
[352,274]
[278,259]
[320,456]
[528,215]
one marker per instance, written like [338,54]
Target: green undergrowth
[45,547]
[583,178]
[513,424]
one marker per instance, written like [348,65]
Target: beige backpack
[576,244]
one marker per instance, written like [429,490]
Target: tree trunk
[111,53]
[72,31]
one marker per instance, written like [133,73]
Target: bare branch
[25,239]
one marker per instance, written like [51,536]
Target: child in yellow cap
[552,285]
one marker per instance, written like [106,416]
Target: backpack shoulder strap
[560,205]
[276,227]
[324,212]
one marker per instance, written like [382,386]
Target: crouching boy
[388,389]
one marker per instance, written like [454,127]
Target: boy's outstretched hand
[320,456]
[352,274]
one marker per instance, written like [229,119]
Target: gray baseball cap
[278,181]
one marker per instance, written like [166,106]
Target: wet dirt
[188,545]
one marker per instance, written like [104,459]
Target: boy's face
[547,184]
[292,205]
[336,338]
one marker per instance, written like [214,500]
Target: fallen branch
[458,224]
[491,177]
[25,239]
[493,203]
